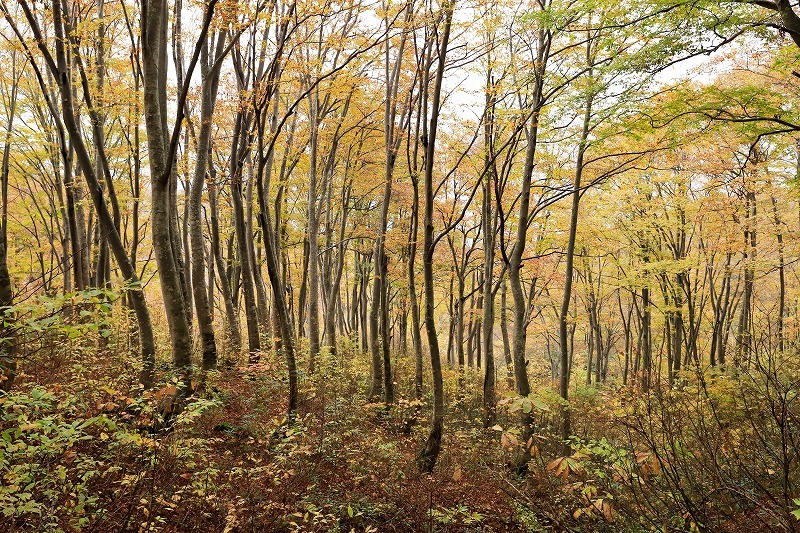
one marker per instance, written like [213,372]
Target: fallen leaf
[70,455]
[508,441]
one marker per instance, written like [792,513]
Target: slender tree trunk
[744,341]
[392,139]
[303,295]
[279,301]
[179,225]
[238,152]
[489,394]
[388,378]
[781,275]
[202,304]
[8,340]
[330,317]
[460,301]
[427,457]
[416,335]
[509,363]
[272,251]
[563,388]
[262,315]
[313,236]
[626,327]
[231,316]
[518,337]
[647,346]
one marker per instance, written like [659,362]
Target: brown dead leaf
[508,441]
[70,455]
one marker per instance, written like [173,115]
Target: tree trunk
[744,341]
[427,457]
[781,276]
[509,363]
[489,394]
[388,378]
[8,341]
[231,316]
[202,304]
[238,152]
[313,236]
[563,387]
[416,334]
[341,249]
[161,152]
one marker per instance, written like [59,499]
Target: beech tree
[607,244]
[57,66]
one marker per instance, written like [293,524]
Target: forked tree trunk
[161,155]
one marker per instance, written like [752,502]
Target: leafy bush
[46,479]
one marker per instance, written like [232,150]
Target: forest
[400,265]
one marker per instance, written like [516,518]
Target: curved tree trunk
[566,428]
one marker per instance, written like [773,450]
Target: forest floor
[84,452]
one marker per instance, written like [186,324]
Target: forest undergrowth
[83,449]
